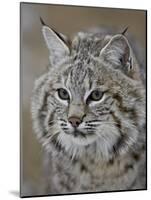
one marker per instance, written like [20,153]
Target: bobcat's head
[91,98]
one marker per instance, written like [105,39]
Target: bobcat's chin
[77,138]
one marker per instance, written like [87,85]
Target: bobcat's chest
[89,176]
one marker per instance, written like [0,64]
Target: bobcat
[88,113]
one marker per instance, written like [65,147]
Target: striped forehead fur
[85,46]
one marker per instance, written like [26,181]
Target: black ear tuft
[42,22]
[125,30]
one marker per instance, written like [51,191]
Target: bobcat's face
[83,106]
[89,97]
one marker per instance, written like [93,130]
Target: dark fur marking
[44,105]
[107,98]
[120,101]
[93,121]
[93,125]
[119,144]
[83,77]
[50,122]
[131,111]
[57,146]
[64,128]
[62,120]
[111,162]
[117,120]
[62,124]
[136,156]
[42,114]
[118,98]
[134,116]
[128,167]
[103,113]
[83,168]
[88,61]
[74,161]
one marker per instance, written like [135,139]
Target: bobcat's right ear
[56,43]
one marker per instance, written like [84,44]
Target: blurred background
[34,61]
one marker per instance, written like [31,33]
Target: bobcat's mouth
[82,131]
[78,133]
[78,137]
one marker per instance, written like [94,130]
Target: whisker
[89,128]
[102,123]
[110,123]
[101,136]
[51,122]
[50,136]
[90,132]
[51,125]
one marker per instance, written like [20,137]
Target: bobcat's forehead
[81,76]
[78,79]
[85,46]
[82,70]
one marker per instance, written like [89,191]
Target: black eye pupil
[96,93]
[63,94]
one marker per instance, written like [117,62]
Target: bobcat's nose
[75,121]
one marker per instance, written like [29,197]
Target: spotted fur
[107,151]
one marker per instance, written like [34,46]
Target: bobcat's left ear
[56,43]
[117,52]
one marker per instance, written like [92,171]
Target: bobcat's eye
[63,94]
[96,95]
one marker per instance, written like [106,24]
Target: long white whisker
[51,136]
[102,123]
[53,121]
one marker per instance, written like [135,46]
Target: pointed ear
[117,53]
[56,44]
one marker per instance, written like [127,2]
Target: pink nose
[75,121]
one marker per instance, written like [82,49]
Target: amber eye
[63,94]
[96,95]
